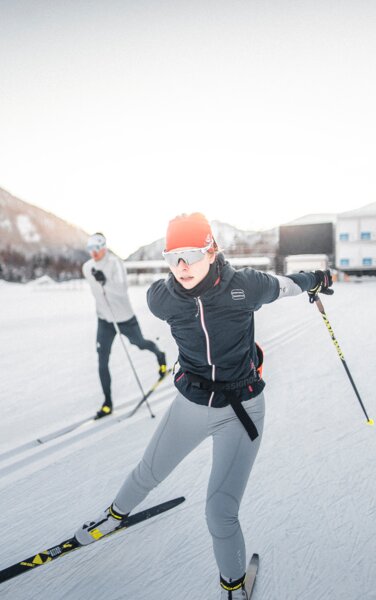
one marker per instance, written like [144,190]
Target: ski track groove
[67,443]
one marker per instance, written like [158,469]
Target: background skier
[106,269]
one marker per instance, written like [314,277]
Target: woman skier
[210,308]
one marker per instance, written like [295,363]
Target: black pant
[105,336]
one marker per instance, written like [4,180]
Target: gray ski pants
[184,426]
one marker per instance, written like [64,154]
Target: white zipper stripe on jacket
[202,320]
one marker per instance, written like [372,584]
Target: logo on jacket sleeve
[238,294]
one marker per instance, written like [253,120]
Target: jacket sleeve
[156,297]
[265,288]
[305,281]
[262,288]
[117,282]
[295,284]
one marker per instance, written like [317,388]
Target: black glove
[98,276]
[323,282]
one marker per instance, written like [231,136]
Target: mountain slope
[29,229]
[33,242]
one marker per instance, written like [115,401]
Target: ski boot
[91,531]
[233,590]
[105,410]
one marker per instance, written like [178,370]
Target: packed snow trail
[310,506]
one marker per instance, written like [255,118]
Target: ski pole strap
[230,390]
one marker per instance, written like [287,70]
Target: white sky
[118,115]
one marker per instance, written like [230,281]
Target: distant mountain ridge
[34,242]
[234,241]
[28,228]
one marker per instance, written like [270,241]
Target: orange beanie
[188,231]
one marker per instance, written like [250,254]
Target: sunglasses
[188,256]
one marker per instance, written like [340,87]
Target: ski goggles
[190,257]
[94,248]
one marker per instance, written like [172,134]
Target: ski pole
[321,308]
[126,352]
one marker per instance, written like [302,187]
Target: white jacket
[116,288]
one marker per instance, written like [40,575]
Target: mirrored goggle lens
[189,256]
[95,248]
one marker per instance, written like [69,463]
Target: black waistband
[218,386]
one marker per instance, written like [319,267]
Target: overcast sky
[118,115]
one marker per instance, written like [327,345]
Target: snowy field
[310,506]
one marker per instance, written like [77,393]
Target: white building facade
[356,241]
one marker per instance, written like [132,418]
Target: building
[306,262]
[356,241]
[313,235]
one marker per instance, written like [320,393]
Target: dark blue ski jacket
[214,332]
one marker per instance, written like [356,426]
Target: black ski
[71,543]
[250,576]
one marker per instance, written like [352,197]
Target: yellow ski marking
[40,559]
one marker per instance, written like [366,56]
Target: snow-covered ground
[310,505]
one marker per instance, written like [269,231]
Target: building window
[344,262]
[365,235]
[343,237]
[367,262]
